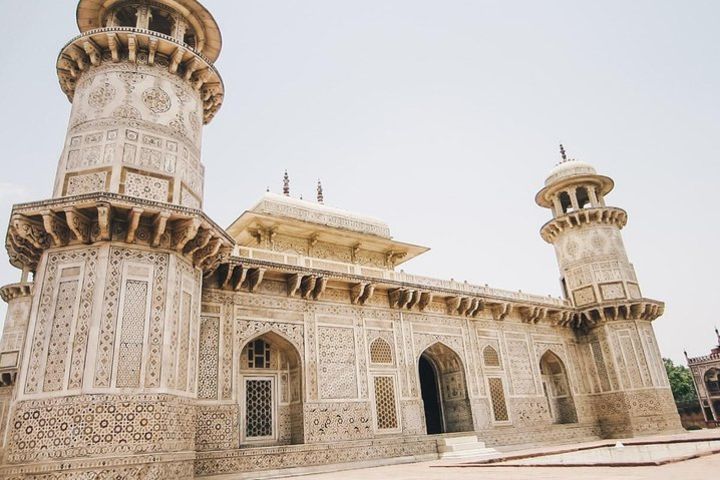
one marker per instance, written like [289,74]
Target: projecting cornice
[600,215]
[236,274]
[98,217]
[126,44]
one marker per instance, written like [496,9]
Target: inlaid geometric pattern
[385,404]
[521,371]
[108,321]
[147,187]
[380,352]
[86,183]
[258,408]
[337,370]
[209,357]
[60,336]
[132,333]
[497,396]
[184,340]
[86,425]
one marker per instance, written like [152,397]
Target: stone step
[484,454]
[463,447]
[458,440]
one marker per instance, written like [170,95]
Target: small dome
[569,168]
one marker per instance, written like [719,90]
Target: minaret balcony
[624,310]
[127,44]
[108,217]
[599,215]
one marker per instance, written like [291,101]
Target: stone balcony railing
[395,276]
[703,359]
[602,215]
[116,44]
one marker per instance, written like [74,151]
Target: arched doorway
[712,385]
[271,397]
[557,389]
[444,391]
[712,382]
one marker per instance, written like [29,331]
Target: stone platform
[457,469]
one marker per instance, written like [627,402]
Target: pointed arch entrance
[556,388]
[444,391]
[271,397]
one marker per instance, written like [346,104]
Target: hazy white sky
[441,118]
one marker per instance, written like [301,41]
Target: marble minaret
[107,374]
[613,319]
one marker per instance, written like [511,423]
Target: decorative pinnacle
[286,184]
[562,153]
[717,334]
[320,196]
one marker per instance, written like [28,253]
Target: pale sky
[441,118]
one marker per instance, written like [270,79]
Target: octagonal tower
[105,381]
[142,83]
[586,235]
[613,318]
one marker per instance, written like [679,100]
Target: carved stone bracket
[255,278]
[113,43]
[602,215]
[464,306]
[56,228]
[644,309]
[15,290]
[360,293]
[502,310]
[100,217]
[307,286]
[31,230]
[79,224]
[533,314]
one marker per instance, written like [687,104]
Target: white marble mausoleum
[145,341]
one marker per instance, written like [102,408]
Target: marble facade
[152,343]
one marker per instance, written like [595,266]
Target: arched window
[190,38]
[259,354]
[491,357]
[565,202]
[161,21]
[583,197]
[380,352]
[126,17]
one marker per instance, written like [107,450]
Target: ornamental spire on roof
[286,184]
[562,153]
[320,196]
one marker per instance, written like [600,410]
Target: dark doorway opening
[431,397]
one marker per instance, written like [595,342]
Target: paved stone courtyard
[686,470]
[689,470]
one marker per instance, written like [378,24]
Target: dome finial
[320,196]
[286,184]
[563,155]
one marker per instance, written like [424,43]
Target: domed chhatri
[569,168]
[568,174]
[186,20]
